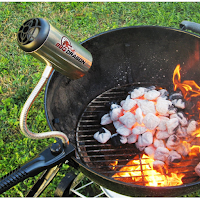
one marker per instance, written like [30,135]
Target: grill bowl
[145,54]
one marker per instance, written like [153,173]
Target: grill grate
[102,157]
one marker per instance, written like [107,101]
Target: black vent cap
[32,34]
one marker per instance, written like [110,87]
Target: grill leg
[63,189]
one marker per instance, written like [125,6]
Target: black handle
[48,158]
[32,168]
[190,26]
[11,180]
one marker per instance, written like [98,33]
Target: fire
[189,88]
[140,170]
[151,177]
[114,164]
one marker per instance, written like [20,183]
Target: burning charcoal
[118,140]
[184,148]
[147,106]
[114,106]
[128,119]
[172,125]
[197,169]
[161,135]
[162,106]
[150,150]
[138,115]
[123,140]
[164,93]
[117,124]
[172,109]
[106,119]
[132,138]
[116,112]
[162,125]
[147,139]
[158,143]
[152,95]
[103,135]
[129,103]
[179,103]
[182,119]
[181,132]
[122,102]
[122,130]
[175,96]
[139,144]
[191,127]
[138,92]
[173,157]
[151,121]
[151,88]
[161,153]
[158,165]
[173,142]
[138,130]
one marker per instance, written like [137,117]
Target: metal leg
[77,181]
[63,188]
[43,181]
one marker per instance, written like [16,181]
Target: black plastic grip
[12,179]
[195,27]
[45,160]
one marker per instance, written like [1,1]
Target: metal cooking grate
[102,157]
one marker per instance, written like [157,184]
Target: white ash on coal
[151,121]
[139,130]
[151,95]
[179,103]
[123,130]
[191,127]
[116,112]
[173,157]
[117,139]
[106,119]
[154,121]
[150,151]
[103,135]
[172,124]
[132,138]
[128,119]
[158,143]
[161,153]
[128,104]
[162,135]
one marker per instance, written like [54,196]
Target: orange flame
[114,164]
[189,88]
[151,177]
[140,171]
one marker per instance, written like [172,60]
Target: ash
[155,122]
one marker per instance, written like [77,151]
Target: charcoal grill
[122,59]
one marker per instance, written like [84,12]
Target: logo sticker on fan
[66,47]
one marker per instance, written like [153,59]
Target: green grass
[20,72]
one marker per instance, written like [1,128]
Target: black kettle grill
[122,59]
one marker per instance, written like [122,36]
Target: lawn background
[19,72]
